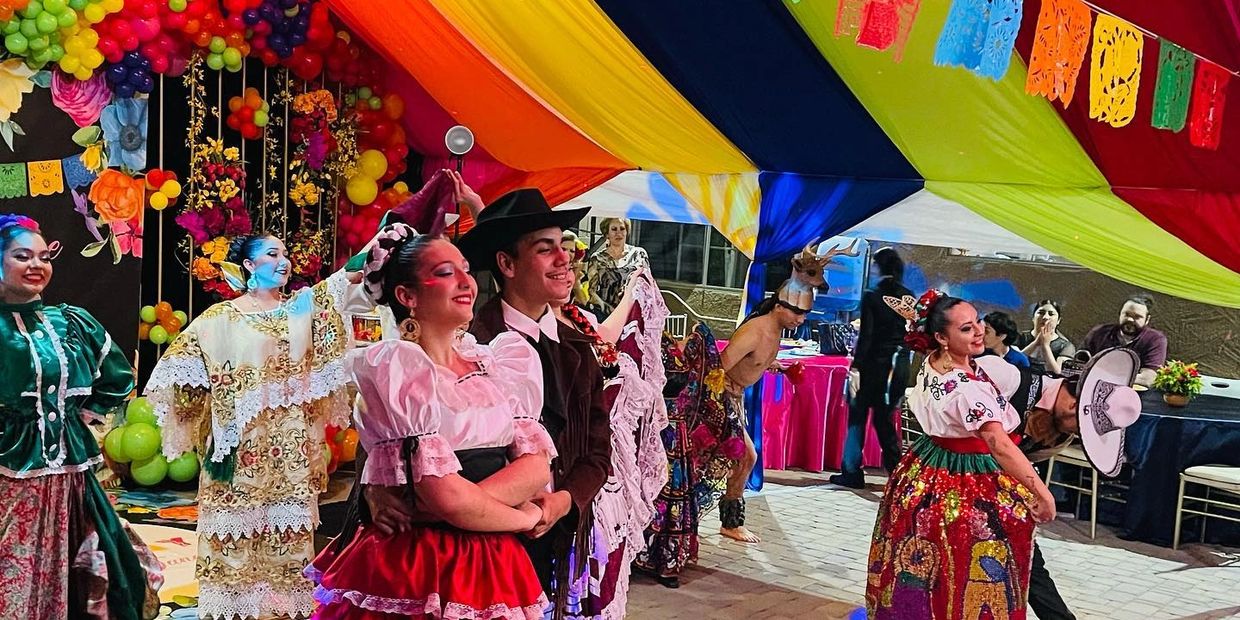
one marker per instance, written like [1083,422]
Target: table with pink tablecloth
[805,426]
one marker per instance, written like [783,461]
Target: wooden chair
[1219,478]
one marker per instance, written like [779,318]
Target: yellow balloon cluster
[363,187]
[82,55]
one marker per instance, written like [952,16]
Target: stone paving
[811,564]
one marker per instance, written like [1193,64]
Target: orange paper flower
[117,196]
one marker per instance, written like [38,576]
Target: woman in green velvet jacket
[63,551]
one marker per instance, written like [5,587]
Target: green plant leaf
[17,129]
[116,249]
[87,136]
[42,79]
[93,249]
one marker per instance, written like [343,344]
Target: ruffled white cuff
[529,437]
[433,457]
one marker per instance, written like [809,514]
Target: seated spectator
[1000,334]
[1044,345]
[1133,332]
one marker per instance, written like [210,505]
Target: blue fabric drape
[751,70]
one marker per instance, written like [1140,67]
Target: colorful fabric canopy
[757,116]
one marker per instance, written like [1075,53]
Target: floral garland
[216,211]
[306,251]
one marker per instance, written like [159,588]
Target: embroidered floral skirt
[672,538]
[65,554]
[428,572]
[953,539]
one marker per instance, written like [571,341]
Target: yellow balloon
[113,6]
[372,164]
[361,190]
[74,46]
[89,37]
[70,64]
[159,201]
[83,74]
[94,13]
[170,188]
[401,187]
[92,58]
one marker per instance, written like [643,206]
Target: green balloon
[33,9]
[78,5]
[158,335]
[375,103]
[37,43]
[179,314]
[41,57]
[46,23]
[28,28]
[149,472]
[178,6]
[114,445]
[350,99]
[12,26]
[261,118]
[364,92]
[218,45]
[141,441]
[66,19]
[232,56]
[56,52]
[215,61]
[55,7]
[16,43]
[140,411]
[147,314]
[184,468]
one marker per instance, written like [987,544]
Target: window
[692,253]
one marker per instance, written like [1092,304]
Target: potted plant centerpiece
[1179,382]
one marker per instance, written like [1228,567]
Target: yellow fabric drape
[571,56]
[730,201]
[1098,230]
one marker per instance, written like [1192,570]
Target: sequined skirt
[953,539]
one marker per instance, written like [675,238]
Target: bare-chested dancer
[749,353]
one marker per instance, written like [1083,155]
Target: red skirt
[427,572]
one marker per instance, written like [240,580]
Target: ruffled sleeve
[400,405]
[977,402]
[1004,375]
[179,390]
[113,375]
[517,366]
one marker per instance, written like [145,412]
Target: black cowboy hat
[502,222]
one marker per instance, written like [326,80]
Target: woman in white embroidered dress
[456,425]
[250,384]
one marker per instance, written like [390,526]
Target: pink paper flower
[82,101]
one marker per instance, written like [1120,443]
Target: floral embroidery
[978,411]
[949,387]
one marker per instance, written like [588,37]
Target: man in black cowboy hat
[518,239]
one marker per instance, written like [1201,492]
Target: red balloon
[245,114]
[130,42]
[160,64]
[305,65]
[251,132]
[232,122]
[110,49]
[380,132]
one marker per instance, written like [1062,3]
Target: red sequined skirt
[953,538]
[427,572]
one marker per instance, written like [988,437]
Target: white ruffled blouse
[958,403]
[405,394]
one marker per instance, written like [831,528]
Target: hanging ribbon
[1059,44]
[12,180]
[46,177]
[848,17]
[978,35]
[1175,81]
[1115,75]
[887,24]
[1209,96]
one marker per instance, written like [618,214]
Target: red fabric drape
[1209,221]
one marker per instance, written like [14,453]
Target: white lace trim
[432,605]
[47,471]
[530,437]
[338,286]
[433,457]
[237,523]
[260,600]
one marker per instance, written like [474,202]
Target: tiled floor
[811,564]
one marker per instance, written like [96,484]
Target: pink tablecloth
[805,426]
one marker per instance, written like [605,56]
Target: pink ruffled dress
[419,419]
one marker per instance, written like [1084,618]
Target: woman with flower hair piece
[627,346]
[954,532]
[251,384]
[63,551]
[454,425]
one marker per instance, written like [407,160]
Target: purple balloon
[118,73]
[288,4]
[147,84]
[250,17]
[297,38]
[124,90]
[276,41]
[269,12]
[132,59]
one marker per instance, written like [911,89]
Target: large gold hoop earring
[410,330]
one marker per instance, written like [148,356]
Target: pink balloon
[146,29]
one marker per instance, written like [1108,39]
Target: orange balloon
[253,99]
[170,323]
[235,103]
[393,106]
[6,12]
[144,331]
[348,447]
[202,39]
[163,309]
[235,39]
